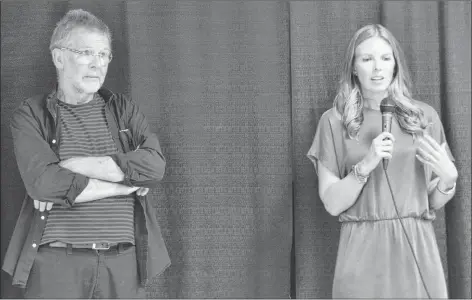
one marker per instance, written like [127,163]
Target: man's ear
[58,58]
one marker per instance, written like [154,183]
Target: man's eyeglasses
[87,56]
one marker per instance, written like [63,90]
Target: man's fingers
[41,206]
[142,191]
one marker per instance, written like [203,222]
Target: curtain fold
[235,90]
[455,47]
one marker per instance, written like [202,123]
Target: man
[87,158]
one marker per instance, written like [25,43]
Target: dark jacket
[36,132]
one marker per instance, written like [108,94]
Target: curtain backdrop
[234,90]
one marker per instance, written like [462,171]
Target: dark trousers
[84,273]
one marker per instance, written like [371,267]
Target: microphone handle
[385,163]
[386,127]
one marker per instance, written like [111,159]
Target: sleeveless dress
[374,257]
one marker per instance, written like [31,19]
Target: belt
[94,246]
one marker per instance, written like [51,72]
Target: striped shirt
[84,132]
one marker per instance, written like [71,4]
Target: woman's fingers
[386,135]
[426,154]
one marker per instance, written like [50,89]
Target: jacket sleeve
[39,168]
[143,166]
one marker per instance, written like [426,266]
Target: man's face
[85,73]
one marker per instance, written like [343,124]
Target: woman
[379,232]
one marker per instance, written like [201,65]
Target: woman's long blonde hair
[349,102]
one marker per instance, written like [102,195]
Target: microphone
[387,108]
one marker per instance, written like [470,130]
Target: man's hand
[42,205]
[142,191]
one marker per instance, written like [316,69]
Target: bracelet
[448,192]
[360,178]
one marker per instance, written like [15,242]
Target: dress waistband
[385,219]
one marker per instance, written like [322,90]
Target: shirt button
[42,217]
[53,141]
[34,245]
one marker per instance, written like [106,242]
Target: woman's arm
[337,194]
[440,193]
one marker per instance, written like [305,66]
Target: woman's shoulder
[332,116]
[429,112]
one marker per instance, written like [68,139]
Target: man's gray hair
[76,18]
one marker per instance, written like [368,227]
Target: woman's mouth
[377,78]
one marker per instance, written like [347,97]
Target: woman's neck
[373,101]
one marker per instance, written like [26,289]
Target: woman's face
[374,65]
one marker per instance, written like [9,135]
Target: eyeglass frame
[82,52]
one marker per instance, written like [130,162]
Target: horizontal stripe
[83,132]
[85,135]
[117,229]
[83,146]
[125,204]
[76,120]
[96,218]
[84,235]
[92,117]
[116,207]
[94,131]
[74,124]
[116,200]
[91,151]
[81,240]
[68,234]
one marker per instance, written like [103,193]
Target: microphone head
[387,105]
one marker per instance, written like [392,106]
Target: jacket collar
[51,99]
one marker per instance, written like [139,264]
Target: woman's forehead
[374,45]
